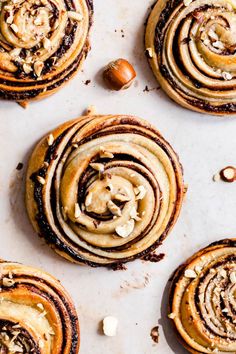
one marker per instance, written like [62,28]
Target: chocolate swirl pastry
[191,46]
[202,301]
[42,45]
[36,313]
[104,190]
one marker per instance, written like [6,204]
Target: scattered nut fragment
[119,75]
[228,174]
[155,334]
[216,177]
[91,110]
[110,324]
[126,229]
[190,273]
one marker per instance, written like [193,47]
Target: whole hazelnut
[119,74]
[228,174]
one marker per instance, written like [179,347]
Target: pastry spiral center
[105,193]
[25,24]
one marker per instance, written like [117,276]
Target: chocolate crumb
[23,104]
[155,334]
[154,258]
[87,82]
[147,89]
[186,40]
[118,266]
[19,166]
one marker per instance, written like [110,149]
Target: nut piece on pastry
[106,190]
[202,300]
[42,45]
[119,75]
[36,313]
[190,46]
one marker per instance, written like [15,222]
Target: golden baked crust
[43,44]
[202,300]
[191,50]
[36,313]
[110,191]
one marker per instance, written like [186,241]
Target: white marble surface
[204,143]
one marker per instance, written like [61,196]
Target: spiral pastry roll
[42,45]
[103,190]
[203,300]
[191,46]
[36,313]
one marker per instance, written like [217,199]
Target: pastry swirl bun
[36,313]
[192,52]
[103,190]
[202,300]
[42,45]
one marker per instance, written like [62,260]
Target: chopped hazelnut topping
[50,139]
[114,209]
[38,67]
[27,68]
[77,211]
[172,315]
[126,229]
[226,75]
[40,306]
[190,273]
[14,28]
[187,2]
[47,43]
[140,192]
[88,200]
[233,277]
[121,197]
[8,282]
[75,16]
[134,214]
[149,52]
[41,180]
[106,154]
[97,166]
